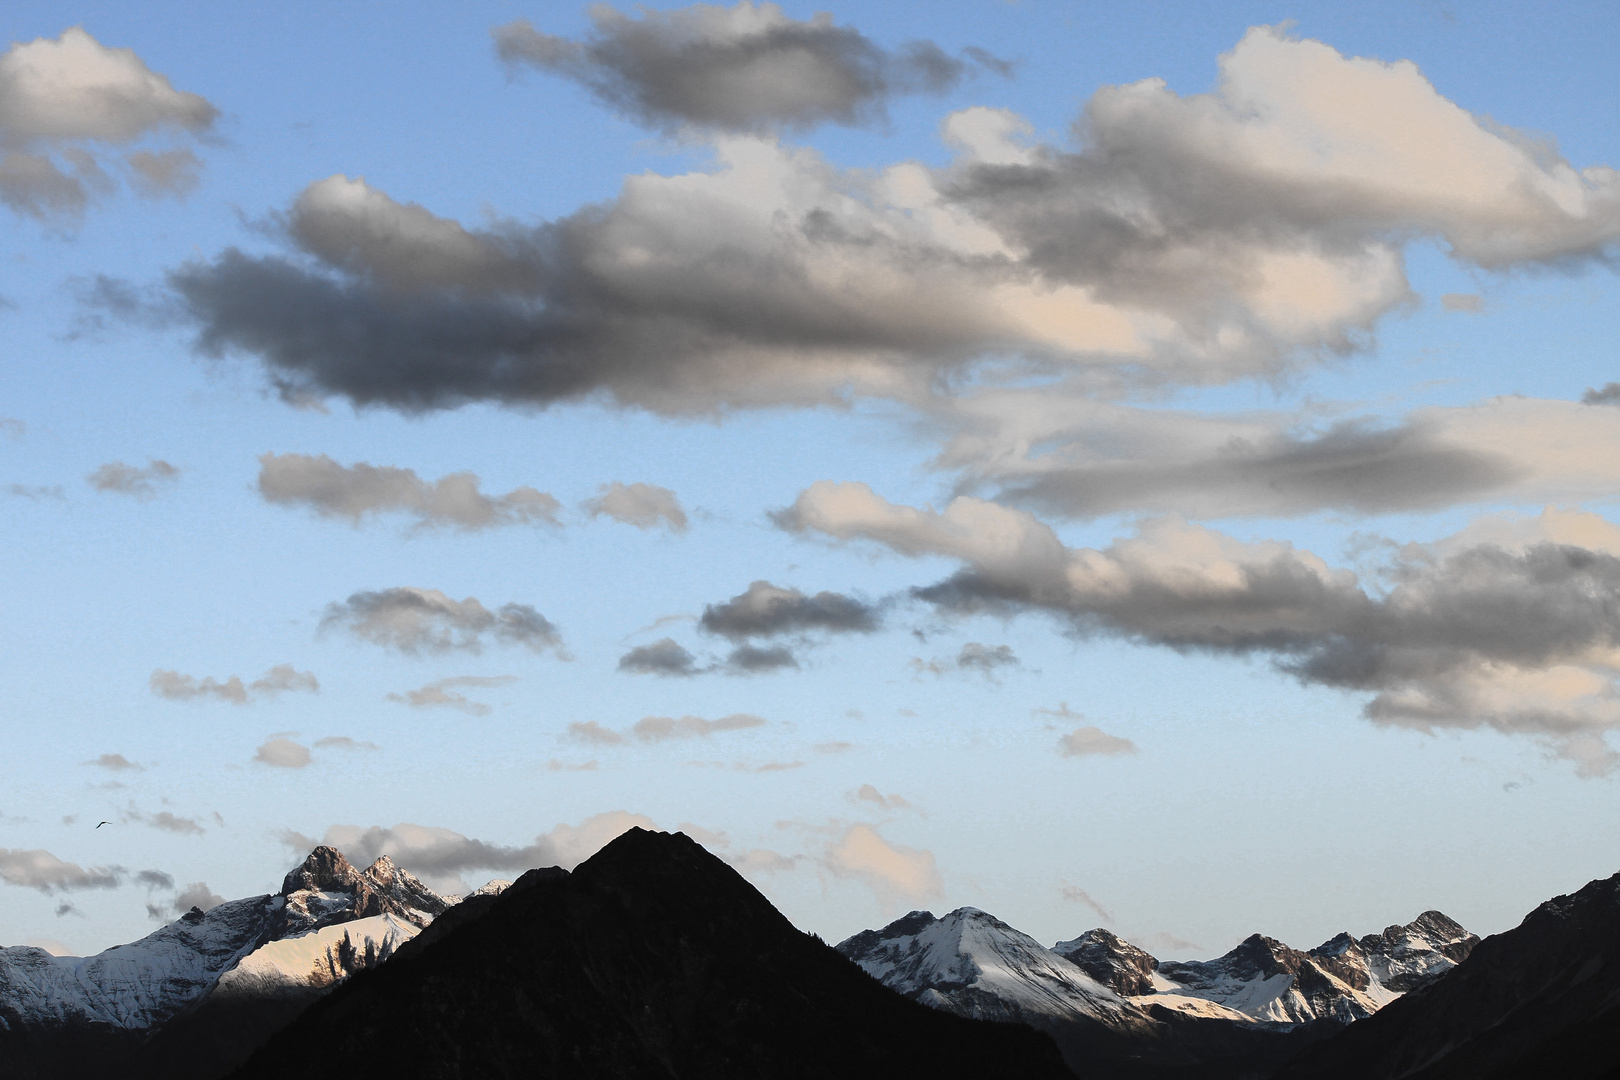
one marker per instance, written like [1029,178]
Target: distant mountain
[1540,1000]
[653,958]
[1112,1006]
[192,998]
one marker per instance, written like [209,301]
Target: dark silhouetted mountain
[1540,1000]
[652,959]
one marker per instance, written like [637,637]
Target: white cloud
[283,753]
[1090,739]
[446,693]
[39,869]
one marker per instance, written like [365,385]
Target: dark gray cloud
[39,869]
[281,679]
[414,621]
[1512,624]
[641,505]
[746,68]
[354,491]
[122,479]
[755,659]
[1608,394]
[666,656]
[766,610]
[154,879]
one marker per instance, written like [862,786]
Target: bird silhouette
[104,823]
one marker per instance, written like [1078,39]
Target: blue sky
[1252,392]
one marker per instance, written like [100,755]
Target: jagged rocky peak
[327,889]
[1111,960]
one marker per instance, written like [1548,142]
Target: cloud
[1089,740]
[641,505]
[870,794]
[413,621]
[665,656]
[745,68]
[589,731]
[766,610]
[1095,459]
[444,693]
[440,856]
[833,747]
[754,659]
[1469,302]
[121,479]
[1608,395]
[555,765]
[343,742]
[68,100]
[166,822]
[897,874]
[154,879]
[39,869]
[283,754]
[12,428]
[774,278]
[985,660]
[1074,894]
[196,895]
[116,763]
[283,678]
[353,491]
[1506,624]
[36,492]
[660,728]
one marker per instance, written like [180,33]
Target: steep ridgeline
[1541,1000]
[328,920]
[652,959]
[1116,1010]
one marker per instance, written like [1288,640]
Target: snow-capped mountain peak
[326,889]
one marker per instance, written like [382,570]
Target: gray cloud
[122,479]
[745,68]
[665,656]
[354,491]
[12,428]
[1064,456]
[154,879]
[36,492]
[773,278]
[196,895]
[116,763]
[39,869]
[446,693]
[662,728]
[641,505]
[766,610]
[415,621]
[71,102]
[1090,740]
[866,793]
[440,856]
[1074,894]
[283,678]
[755,659]
[283,753]
[975,658]
[167,822]
[1609,394]
[1509,624]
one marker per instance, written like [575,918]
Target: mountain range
[655,958]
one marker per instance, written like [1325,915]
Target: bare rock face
[326,890]
[1111,960]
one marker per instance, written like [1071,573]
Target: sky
[1148,466]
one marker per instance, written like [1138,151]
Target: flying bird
[104,823]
